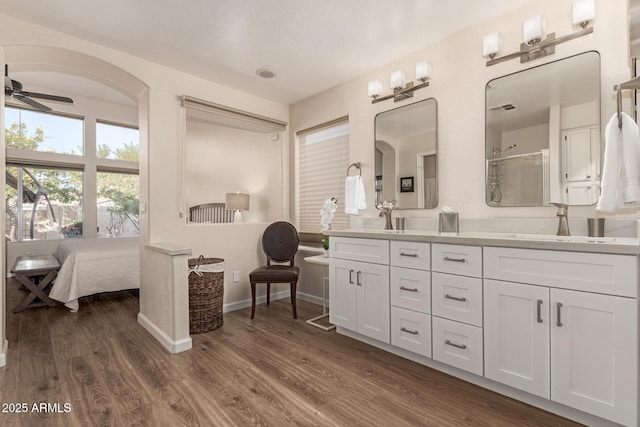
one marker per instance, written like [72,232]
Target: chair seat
[275,274]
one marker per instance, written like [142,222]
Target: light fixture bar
[400,94]
[546,47]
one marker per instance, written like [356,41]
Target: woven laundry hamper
[206,290]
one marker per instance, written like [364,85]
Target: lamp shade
[534,30]
[396,80]
[375,88]
[423,70]
[491,45]
[236,201]
[582,12]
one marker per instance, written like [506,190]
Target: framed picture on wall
[406,184]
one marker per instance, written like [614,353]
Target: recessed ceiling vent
[505,107]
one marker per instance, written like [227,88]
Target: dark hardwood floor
[272,371]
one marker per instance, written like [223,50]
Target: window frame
[88,163]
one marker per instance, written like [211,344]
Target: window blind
[323,157]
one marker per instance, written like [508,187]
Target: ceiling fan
[13,88]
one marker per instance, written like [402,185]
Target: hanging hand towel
[620,184]
[354,198]
[630,162]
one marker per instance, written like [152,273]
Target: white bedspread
[91,266]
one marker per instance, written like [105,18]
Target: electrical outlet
[236,276]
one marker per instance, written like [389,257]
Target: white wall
[458,84]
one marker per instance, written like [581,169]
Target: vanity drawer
[411,289]
[357,249]
[457,344]
[411,254]
[591,272]
[457,298]
[457,259]
[411,331]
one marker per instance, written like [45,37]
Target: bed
[91,266]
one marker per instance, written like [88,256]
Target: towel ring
[357,165]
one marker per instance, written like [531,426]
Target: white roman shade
[323,158]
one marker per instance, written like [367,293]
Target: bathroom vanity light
[397,84]
[237,202]
[536,42]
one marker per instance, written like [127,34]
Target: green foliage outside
[65,186]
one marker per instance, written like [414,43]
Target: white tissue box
[448,222]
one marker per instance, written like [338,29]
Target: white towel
[620,184]
[354,198]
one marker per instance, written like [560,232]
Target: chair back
[280,242]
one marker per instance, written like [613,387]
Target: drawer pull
[350,277]
[403,329]
[559,312]
[410,255]
[452,344]
[455,259]
[358,278]
[409,289]
[461,299]
[539,311]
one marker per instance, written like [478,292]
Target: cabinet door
[342,293]
[372,282]
[516,335]
[594,341]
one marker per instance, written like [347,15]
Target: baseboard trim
[3,355]
[171,345]
[239,305]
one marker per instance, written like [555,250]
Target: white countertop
[614,245]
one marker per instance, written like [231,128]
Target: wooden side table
[35,272]
[324,261]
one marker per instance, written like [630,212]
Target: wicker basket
[205,296]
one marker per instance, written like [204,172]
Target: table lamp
[237,202]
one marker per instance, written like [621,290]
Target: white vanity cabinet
[546,335]
[410,290]
[456,283]
[359,291]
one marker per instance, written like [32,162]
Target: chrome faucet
[563,221]
[386,213]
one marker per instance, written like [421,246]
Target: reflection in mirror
[405,153]
[543,134]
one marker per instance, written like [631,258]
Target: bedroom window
[74,181]
[114,141]
[36,131]
[117,204]
[50,206]
[323,157]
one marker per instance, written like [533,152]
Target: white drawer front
[601,273]
[457,259]
[366,250]
[411,254]
[411,289]
[411,331]
[457,298]
[458,344]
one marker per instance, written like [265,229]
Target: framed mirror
[542,134]
[406,145]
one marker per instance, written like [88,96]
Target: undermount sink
[554,238]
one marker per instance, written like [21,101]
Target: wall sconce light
[536,42]
[236,202]
[397,84]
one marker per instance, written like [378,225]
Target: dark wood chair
[280,244]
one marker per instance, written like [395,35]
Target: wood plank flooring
[272,371]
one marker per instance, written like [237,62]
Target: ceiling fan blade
[31,102]
[47,96]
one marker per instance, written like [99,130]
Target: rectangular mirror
[406,140]
[543,134]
